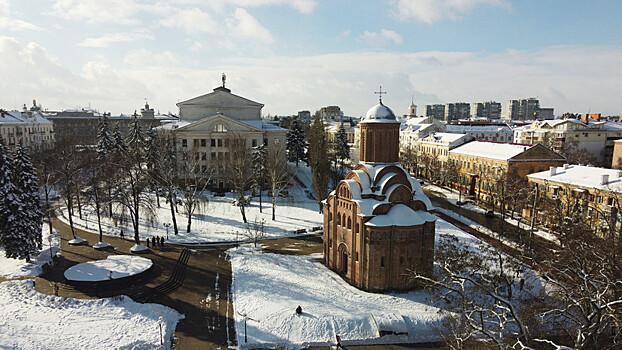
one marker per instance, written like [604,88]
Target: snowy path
[30,320]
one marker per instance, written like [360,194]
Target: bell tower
[380,134]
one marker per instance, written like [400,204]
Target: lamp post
[86,220]
[167,225]
[245,319]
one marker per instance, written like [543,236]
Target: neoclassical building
[377,228]
[209,126]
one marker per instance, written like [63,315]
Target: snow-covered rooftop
[401,215]
[444,137]
[492,150]
[478,128]
[583,176]
[16,117]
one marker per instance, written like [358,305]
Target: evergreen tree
[119,145]
[105,140]
[296,143]
[342,148]
[27,186]
[258,159]
[135,137]
[318,159]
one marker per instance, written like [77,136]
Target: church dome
[380,113]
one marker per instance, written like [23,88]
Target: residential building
[486,110]
[436,112]
[497,133]
[595,138]
[414,129]
[304,116]
[332,129]
[481,164]
[592,192]
[27,129]
[524,109]
[456,111]
[616,158]
[546,113]
[377,225]
[329,113]
[437,145]
[210,129]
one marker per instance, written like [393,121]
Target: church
[377,225]
[209,125]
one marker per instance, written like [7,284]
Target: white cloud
[113,38]
[244,25]
[574,78]
[191,21]
[430,11]
[382,37]
[97,11]
[302,6]
[13,24]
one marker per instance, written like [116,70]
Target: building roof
[583,176]
[380,114]
[17,117]
[492,150]
[445,137]
[478,128]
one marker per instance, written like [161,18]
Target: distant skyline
[304,54]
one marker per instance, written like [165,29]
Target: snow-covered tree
[105,139]
[239,171]
[118,142]
[296,143]
[27,186]
[277,175]
[135,136]
[10,207]
[164,172]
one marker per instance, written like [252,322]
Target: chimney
[566,166]
[604,179]
[553,171]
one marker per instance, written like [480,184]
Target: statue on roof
[224,78]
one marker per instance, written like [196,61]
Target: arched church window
[219,128]
[338,219]
[349,223]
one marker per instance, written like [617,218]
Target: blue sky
[303,54]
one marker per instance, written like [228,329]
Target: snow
[14,268]
[588,177]
[401,215]
[30,320]
[77,241]
[139,248]
[330,305]
[220,222]
[491,150]
[112,268]
[101,245]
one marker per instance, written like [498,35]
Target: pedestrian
[339,346]
[147,242]
[55,288]
[299,310]
[153,242]
[162,241]
[122,235]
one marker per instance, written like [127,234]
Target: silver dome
[380,113]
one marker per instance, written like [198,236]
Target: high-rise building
[435,111]
[524,109]
[458,110]
[486,110]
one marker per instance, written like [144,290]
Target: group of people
[156,242]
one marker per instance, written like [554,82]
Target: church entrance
[343,259]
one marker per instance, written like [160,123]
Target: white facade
[497,133]
[27,129]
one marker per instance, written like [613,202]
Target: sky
[296,55]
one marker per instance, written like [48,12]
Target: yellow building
[592,192]
[482,165]
[27,129]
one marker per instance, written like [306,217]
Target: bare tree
[164,171]
[278,176]
[195,178]
[238,169]
[70,164]
[255,230]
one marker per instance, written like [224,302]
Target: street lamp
[245,319]
[167,225]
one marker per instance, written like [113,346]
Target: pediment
[207,124]
[220,99]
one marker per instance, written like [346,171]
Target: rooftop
[583,176]
[15,117]
[492,150]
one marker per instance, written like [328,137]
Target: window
[349,223]
[195,143]
[213,156]
[219,128]
[184,143]
[254,143]
[203,143]
[213,142]
[382,261]
[219,142]
[356,256]
[203,156]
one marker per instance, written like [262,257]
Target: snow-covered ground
[268,287]
[113,267]
[221,221]
[13,268]
[453,197]
[30,320]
